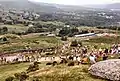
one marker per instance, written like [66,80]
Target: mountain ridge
[105,6]
[26,5]
[113,6]
[49,7]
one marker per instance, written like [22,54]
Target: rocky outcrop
[109,69]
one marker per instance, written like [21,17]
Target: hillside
[27,5]
[39,6]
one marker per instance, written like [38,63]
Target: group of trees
[76,43]
[68,31]
[88,22]
[110,27]
[90,18]
[72,31]
[38,28]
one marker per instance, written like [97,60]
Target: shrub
[64,38]
[49,63]
[21,76]
[11,36]
[17,75]
[4,39]
[71,64]
[74,43]
[63,61]
[9,79]
[85,70]
[4,30]
[70,58]
[80,43]
[54,63]
[95,46]
[36,63]
[33,67]
[36,79]
[49,53]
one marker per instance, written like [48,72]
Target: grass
[50,73]
[33,42]
[10,70]
[96,30]
[54,23]
[65,73]
[16,28]
[107,40]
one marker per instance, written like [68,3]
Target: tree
[64,38]
[9,79]
[38,25]
[64,32]
[21,76]
[33,67]
[92,31]
[4,39]
[68,31]
[4,30]
[0,19]
[74,43]
[31,30]
[74,30]
[0,30]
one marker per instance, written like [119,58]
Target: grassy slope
[57,73]
[16,28]
[96,30]
[32,41]
[65,73]
[10,70]
[50,73]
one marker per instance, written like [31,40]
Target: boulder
[109,69]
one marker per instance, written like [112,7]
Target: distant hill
[105,6]
[72,7]
[27,5]
[100,6]
[39,6]
[113,6]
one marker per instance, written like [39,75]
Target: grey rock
[109,69]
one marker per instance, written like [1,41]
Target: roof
[83,35]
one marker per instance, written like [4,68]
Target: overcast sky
[78,2]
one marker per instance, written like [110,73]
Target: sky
[78,2]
